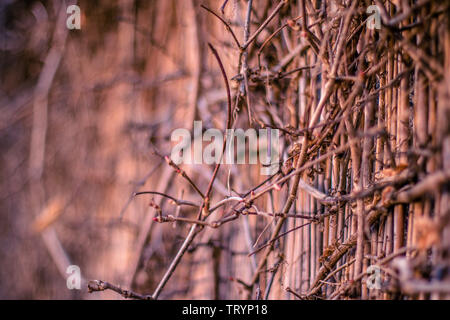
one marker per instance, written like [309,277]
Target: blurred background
[79,112]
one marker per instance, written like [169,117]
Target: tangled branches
[364,118]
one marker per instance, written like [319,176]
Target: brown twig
[99,285]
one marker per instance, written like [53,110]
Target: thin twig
[99,285]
